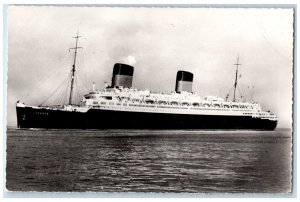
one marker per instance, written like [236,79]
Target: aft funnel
[184,81]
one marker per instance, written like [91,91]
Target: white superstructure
[131,99]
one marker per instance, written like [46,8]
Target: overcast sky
[157,42]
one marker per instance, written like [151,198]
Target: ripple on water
[149,161]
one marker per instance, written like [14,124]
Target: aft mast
[236,75]
[73,67]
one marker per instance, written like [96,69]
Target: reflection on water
[149,161]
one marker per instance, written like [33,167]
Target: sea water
[162,161]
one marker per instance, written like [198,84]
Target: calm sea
[189,161]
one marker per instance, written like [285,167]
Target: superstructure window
[90,97]
[162,102]
[108,97]
[174,103]
[185,104]
[149,102]
[195,104]
[206,105]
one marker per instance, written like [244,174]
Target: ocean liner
[120,106]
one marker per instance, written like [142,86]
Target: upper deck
[183,99]
[170,102]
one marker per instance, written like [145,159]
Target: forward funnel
[122,75]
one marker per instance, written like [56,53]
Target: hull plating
[28,117]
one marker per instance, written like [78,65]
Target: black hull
[29,117]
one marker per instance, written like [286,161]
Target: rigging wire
[65,97]
[60,94]
[58,87]
[56,98]
[59,98]
[63,94]
[83,83]
[239,90]
[229,93]
[230,75]
[44,79]
[79,91]
[75,91]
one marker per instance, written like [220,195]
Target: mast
[236,74]
[73,67]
